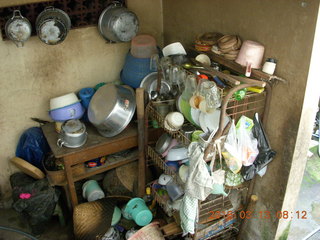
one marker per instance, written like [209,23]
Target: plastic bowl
[63,101]
[73,111]
[177,153]
[174,49]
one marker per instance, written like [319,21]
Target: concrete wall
[31,75]
[286,29]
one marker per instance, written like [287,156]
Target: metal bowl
[111,109]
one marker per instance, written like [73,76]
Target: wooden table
[96,146]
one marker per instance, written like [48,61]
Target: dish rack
[224,226]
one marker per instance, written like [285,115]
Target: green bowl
[186,110]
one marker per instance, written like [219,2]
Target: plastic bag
[248,145]
[33,147]
[231,152]
[35,199]
[266,154]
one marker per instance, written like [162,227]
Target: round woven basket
[92,220]
[120,181]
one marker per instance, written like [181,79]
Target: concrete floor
[309,200]
[53,230]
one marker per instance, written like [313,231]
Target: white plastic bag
[248,145]
[231,151]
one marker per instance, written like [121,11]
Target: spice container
[269,66]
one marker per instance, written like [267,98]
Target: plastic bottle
[150,202]
[240,94]
[148,197]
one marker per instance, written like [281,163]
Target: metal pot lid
[73,126]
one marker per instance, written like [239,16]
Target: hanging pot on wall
[18,28]
[117,23]
[52,25]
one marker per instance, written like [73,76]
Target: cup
[211,94]
[174,190]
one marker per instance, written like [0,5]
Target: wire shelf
[248,106]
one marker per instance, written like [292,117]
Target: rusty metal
[82,13]
[245,110]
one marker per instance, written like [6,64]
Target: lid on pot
[72,126]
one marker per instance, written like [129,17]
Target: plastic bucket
[92,191]
[134,70]
[138,210]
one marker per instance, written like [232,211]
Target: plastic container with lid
[269,66]
[143,46]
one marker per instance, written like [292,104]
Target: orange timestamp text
[260,214]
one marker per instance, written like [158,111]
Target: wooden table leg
[70,181]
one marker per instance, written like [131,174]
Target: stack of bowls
[65,107]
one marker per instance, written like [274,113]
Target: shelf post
[141,141]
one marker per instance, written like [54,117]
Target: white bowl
[174,49]
[204,59]
[64,100]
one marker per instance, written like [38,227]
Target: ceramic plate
[210,121]
[195,114]
[202,122]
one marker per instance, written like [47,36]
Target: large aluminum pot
[111,109]
[118,24]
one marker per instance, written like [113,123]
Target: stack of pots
[137,62]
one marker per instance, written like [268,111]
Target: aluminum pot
[52,25]
[18,28]
[117,23]
[111,109]
[73,134]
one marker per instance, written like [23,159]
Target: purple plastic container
[73,111]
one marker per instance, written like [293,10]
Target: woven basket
[58,178]
[149,232]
